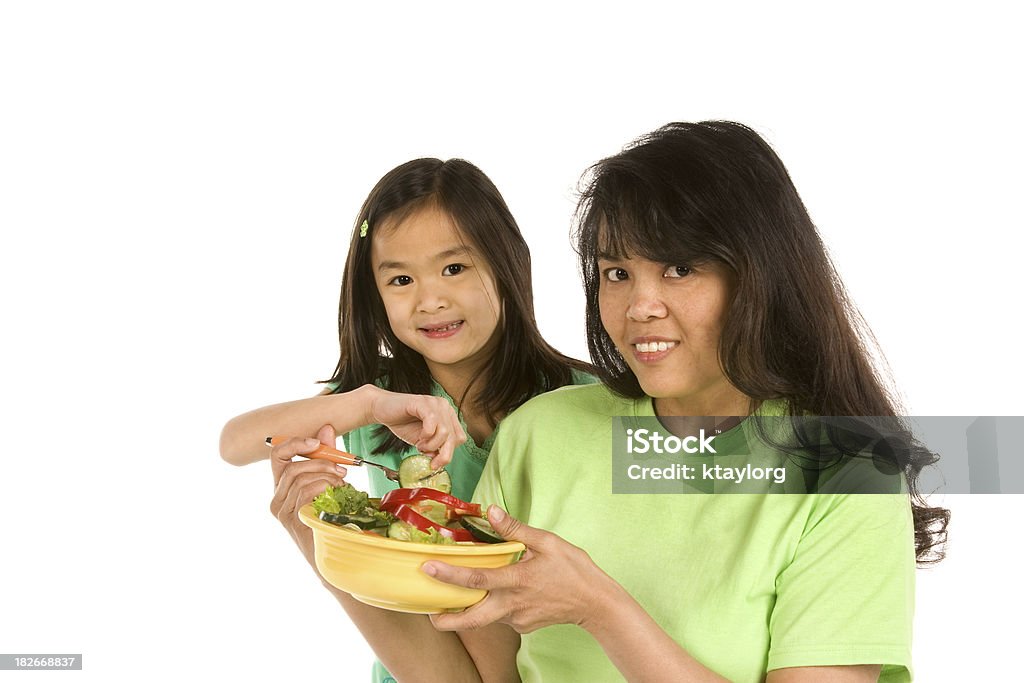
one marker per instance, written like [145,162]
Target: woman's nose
[646,303]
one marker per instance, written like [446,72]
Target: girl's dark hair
[522,366]
[715,191]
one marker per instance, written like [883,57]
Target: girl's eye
[453,269]
[677,271]
[616,274]
[400,280]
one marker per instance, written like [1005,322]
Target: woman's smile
[652,349]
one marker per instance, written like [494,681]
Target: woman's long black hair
[716,191]
[523,364]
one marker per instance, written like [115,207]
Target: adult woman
[708,293]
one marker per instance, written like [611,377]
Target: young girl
[708,293]
[438,344]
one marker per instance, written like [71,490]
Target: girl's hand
[298,483]
[427,422]
[555,582]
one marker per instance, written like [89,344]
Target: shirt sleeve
[847,596]
[489,489]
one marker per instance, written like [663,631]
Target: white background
[177,186]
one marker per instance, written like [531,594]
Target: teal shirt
[465,468]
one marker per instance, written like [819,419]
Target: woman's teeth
[652,347]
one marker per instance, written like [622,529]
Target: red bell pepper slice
[410,516]
[392,499]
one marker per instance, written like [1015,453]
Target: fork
[325,452]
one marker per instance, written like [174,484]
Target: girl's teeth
[653,347]
[445,328]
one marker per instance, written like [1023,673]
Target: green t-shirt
[745,583]
[465,467]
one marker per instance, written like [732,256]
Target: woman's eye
[400,280]
[677,271]
[453,269]
[616,274]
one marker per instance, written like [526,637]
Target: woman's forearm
[242,438]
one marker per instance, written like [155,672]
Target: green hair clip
[363,228]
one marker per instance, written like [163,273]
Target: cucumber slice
[414,473]
[431,509]
[400,531]
[481,529]
[361,521]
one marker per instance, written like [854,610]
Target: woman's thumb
[512,529]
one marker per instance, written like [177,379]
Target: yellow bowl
[386,573]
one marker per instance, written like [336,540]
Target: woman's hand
[558,583]
[298,483]
[427,422]
[554,583]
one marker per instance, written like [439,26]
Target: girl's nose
[431,300]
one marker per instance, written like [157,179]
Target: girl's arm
[407,644]
[493,650]
[557,583]
[242,438]
[427,422]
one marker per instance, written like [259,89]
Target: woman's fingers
[536,540]
[494,607]
[290,470]
[487,611]
[550,584]
[281,455]
[501,584]
[304,489]
[511,529]
[471,577]
[295,476]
